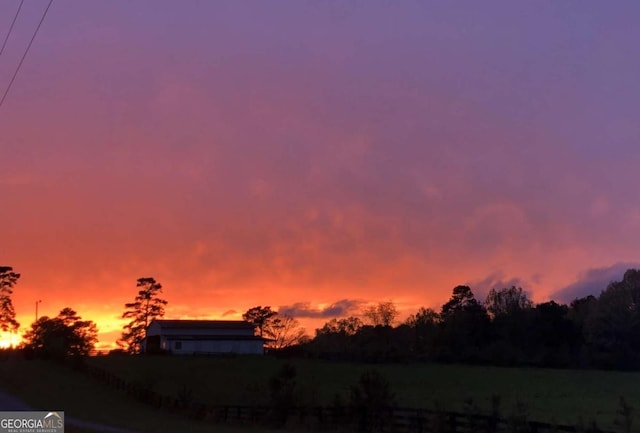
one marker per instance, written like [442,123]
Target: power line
[4,44]
[6,92]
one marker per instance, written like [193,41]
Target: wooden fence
[384,420]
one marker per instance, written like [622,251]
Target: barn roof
[203,324]
[188,337]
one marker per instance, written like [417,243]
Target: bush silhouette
[370,400]
[282,393]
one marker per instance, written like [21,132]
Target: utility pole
[37,302]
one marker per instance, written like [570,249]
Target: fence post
[453,422]
[419,421]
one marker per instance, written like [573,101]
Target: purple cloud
[340,308]
[593,281]
[496,281]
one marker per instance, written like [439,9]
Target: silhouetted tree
[284,331]
[464,326]
[613,329]
[279,331]
[425,324]
[581,308]
[580,311]
[511,312]
[260,317]
[335,338]
[370,400]
[462,300]
[346,326]
[282,387]
[8,279]
[552,335]
[382,314]
[146,307]
[506,301]
[64,335]
[424,317]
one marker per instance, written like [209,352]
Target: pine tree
[146,307]
[8,279]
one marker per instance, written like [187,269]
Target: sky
[316,156]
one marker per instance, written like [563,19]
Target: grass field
[45,385]
[562,396]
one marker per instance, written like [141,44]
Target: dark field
[558,396]
[45,385]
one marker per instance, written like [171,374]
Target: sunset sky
[316,156]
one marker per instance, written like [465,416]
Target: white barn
[193,337]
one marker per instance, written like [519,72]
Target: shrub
[370,399]
[625,416]
[282,393]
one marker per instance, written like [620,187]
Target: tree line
[68,335]
[507,328]
[61,336]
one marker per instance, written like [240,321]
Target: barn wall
[208,331]
[154,329]
[244,347]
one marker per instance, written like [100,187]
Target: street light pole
[37,302]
